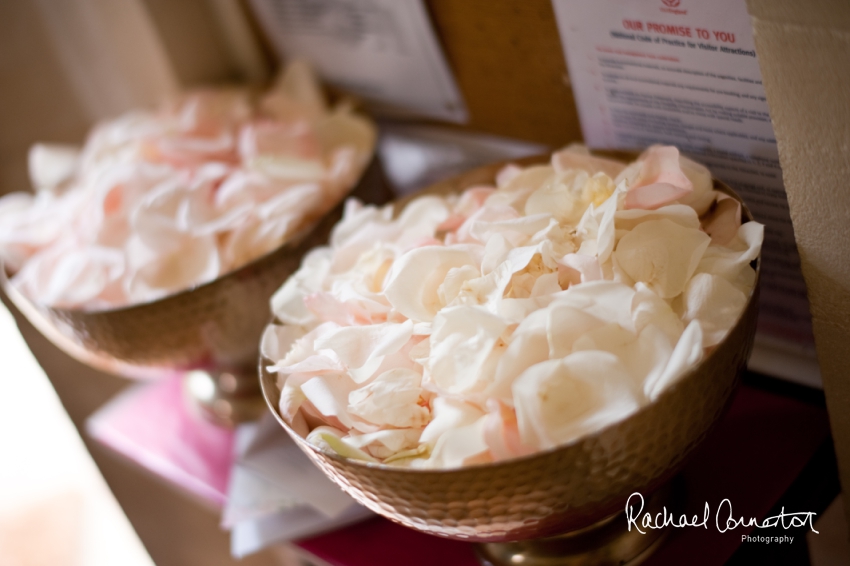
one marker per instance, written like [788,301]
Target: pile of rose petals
[510,319]
[158,202]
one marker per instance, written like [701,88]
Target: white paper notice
[382,50]
[684,72]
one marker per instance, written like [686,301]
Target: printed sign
[685,73]
[382,50]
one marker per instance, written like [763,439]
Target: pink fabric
[153,425]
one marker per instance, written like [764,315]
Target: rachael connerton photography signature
[724,519]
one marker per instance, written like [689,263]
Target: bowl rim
[432,189]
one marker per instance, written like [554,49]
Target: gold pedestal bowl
[570,492]
[212,331]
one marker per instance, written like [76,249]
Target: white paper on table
[382,50]
[276,494]
[248,537]
[685,72]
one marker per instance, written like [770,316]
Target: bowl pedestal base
[608,542]
[225,397]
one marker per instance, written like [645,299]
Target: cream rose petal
[648,308]
[608,301]
[303,347]
[702,197]
[52,164]
[528,178]
[314,364]
[325,306]
[558,401]
[355,217]
[455,279]
[291,399]
[606,235]
[288,302]
[660,179]
[74,275]
[517,231]
[644,355]
[565,325]
[329,395]
[362,346]
[723,222]
[391,399]
[686,355]
[716,303]
[507,174]
[559,196]
[449,414]
[385,443]
[501,433]
[196,261]
[577,156]
[529,345]
[414,279]
[462,339]
[488,214]
[732,261]
[680,214]
[662,254]
[460,446]
[278,339]
[496,251]
[579,268]
[419,220]
[332,440]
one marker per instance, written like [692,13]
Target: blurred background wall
[67,63]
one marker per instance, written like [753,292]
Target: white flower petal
[648,308]
[577,156]
[196,261]
[716,303]
[278,339]
[733,260]
[529,345]
[357,346]
[686,355]
[558,401]
[329,395]
[288,302]
[662,254]
[391,399]
[449,414]
[332,440]
[460,446]
[462,339]
[385,443]
[415,277]
[52,164]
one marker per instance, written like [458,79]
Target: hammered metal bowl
[558,490]
[216,324]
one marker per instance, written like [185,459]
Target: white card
[277,494]
[382,50]
[685,72]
